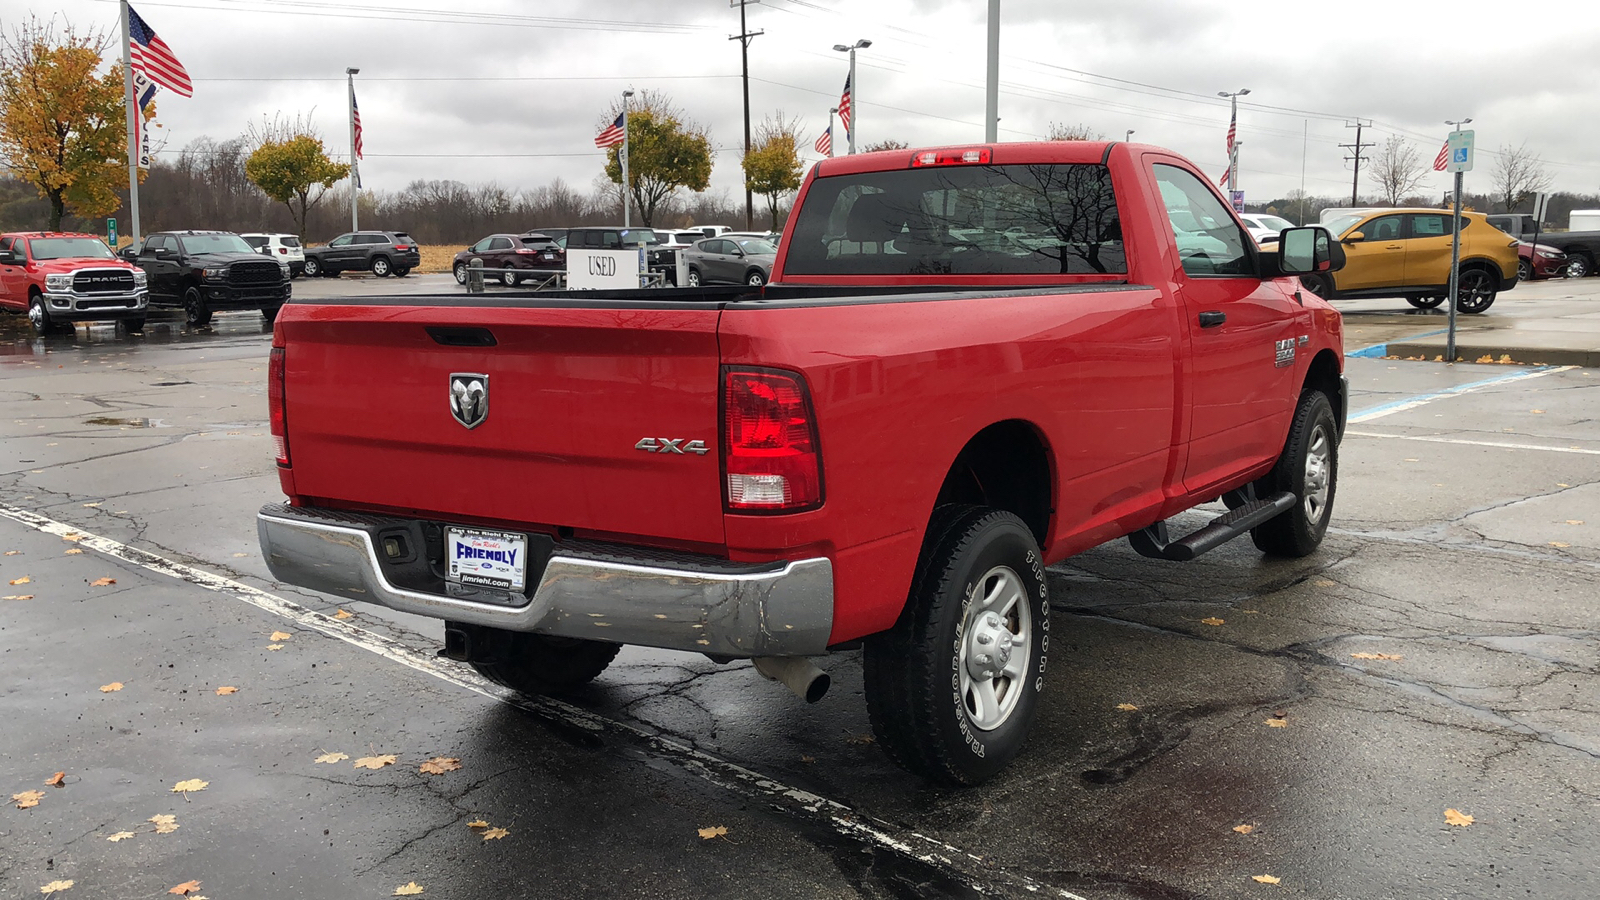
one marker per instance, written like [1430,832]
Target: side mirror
[1355,237]
[164,253]
[6,258]
[1302,251]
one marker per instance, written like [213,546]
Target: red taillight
[284,250]
[275,402]
[402,247]
[769,442]
[973,156]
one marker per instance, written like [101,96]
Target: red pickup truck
[972,363]
[59,278]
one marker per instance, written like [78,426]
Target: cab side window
[500,244]
[1210,241]
[152,244]
[611,240]
[342,240]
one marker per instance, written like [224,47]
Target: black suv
[206,271]
[379,252]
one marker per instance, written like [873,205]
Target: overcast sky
[514,92]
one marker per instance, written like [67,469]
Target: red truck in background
[59,278]
[972,363]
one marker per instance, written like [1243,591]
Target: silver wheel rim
[1319,469]
[507,278]
[1525,270]
[312,268]
[36,315]
[757,280]
[461,274]
[1577,268]
[694,279]
[380,267]
[996,645]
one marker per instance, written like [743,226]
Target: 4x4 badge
[469,398]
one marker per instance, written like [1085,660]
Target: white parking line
[1500,444]
[955,862]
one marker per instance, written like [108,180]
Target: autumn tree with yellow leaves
[62,121]
[772,167]
[290,165]
[665,152]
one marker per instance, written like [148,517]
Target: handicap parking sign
[1460,151]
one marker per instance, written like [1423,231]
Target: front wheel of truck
[1309,469]
[541,663]
[953,687]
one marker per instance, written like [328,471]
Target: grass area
[437,257]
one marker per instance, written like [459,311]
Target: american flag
[612,136]
[1233,132]
[1443,159]
[844,105]
[151,55]
[355,116]
[824,144]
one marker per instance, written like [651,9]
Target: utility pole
[622,158]
[1355,182]
[744,37]
[355,162]
[133,142]
[991,118]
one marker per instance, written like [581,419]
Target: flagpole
[831,114]
[626,223]
[132,110]
[355,164]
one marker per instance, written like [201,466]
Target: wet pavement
[1439,653]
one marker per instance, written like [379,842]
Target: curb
[1474,351]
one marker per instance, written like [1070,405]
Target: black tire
[1317,284]
[134,326]
[1579,264]
[509,277]
[922,676]
[755,278]
[196,314]
[542,664]
[1475,290]
[693,278]
[1309,469]
[313,267]
[381,266]
[270,313]
[1425,302]
[460,270]
[39,318]
[1524,270]
[402,271]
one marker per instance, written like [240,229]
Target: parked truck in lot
[971,363]
[59,278]
[1581,247]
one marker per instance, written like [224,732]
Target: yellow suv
[1406,253]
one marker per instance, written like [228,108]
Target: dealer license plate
[493,559]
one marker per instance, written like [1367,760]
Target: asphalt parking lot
[1414,711]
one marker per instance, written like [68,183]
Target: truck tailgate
[570,393]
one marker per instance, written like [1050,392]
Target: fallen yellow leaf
[92,505]
[109,688]
[12,552]
[55,886]
[1387,656]
[1126,707]
[226,690]
[1212,620]
[72,536]
[860,739]
[713,831]
[20,597]
[59,779]
[408,889]
[1244,829]
[27,799]
[1457,817]
[807,759]
[1574,521]
[1267,879]
[375,762]
[165,824]
[1560,544]
[71,551]
[119,836]
[332,757]
[280,636]
[1277,723]
[23,580]
[193,784]
[185,889]
[102,582]
[274,646]
[495,834]
[439,765]
[478,824]
[344,614]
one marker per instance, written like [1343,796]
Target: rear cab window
[1043,219]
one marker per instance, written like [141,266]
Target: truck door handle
[1212,319]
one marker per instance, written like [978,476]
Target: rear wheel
[313,267]
[694,278]
[953,687]
[543,664]
[1579,264]
[270,313]
[1309,469]
[1425,302]
[380,266]
[509,277]
[402,271]
[1475,291]
[195,311]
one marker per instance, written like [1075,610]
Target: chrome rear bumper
[592,591]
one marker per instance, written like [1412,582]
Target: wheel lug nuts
[984,639]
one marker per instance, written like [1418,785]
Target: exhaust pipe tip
[796,673]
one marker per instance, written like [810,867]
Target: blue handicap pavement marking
[1379,351]
[1421,399]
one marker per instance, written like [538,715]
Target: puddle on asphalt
[128,423]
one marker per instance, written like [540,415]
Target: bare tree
[1397,170]
[1061,131]
[1518,173]
[885,145]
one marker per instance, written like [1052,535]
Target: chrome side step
[1155,543]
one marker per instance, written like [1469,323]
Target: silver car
[723,260]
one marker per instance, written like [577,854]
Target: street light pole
[831,113]
[1128,137]
[355,164]
[855,89]
[623,158]
[1233,124]
[991,118]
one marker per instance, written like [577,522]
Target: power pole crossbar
[1355,181]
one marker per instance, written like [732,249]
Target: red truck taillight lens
[770,454]
[275,401]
